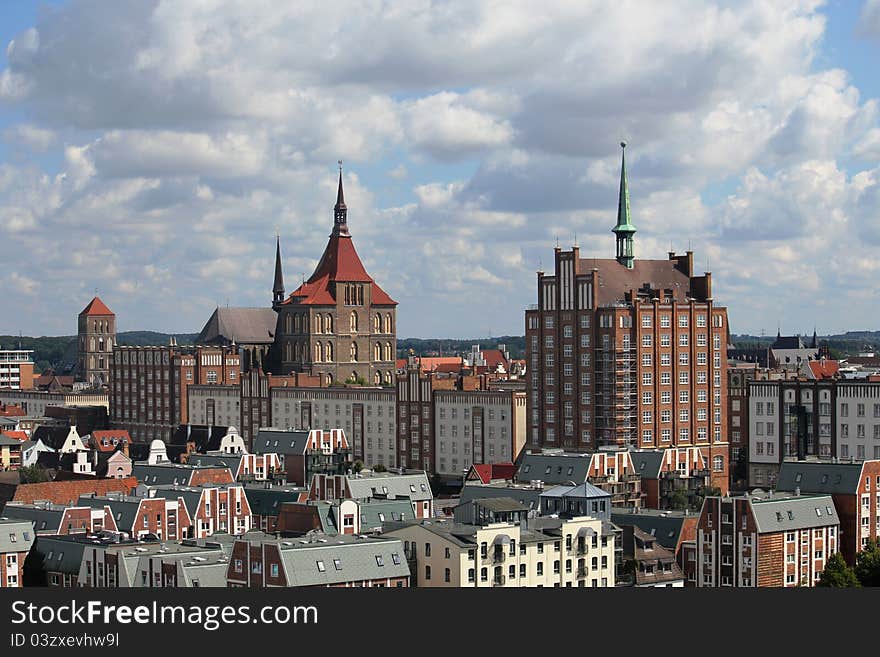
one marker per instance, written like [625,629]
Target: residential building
[60,519]
[149,392]
[139,517]
[210,508]
[493,543]
[267,499]
[612,470]
[625,352]
[649,564]
[368,485]
[679,476]
[181,474]
[338,561]
[10,452]
[35,402]
[65,493]
[303,454]
[16,538]
[675,531]
[855,489]
[16,369]
[823,418]
[765,540]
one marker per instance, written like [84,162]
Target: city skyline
[157,163]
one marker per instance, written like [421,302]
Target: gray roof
[554,468]
[241,325]
[267,501]
[16,535]
[60,553]
[43,517]
[11,442]
[357,557]
[207,574]
[647,463]
[665,526]
[584,490]
[230,461]
[280,441]
[531,497]
[776,514]
[819,477]
[414,486]
[123,507]
[166,473]
[500,504]
[375,512]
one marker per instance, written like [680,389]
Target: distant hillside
[516,346]
[59,352]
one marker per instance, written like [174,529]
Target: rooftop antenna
[575,240]
[557,241]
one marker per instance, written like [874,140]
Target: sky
[150,150]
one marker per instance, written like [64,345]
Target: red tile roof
[340,262]
[493,358]
[492,471]
[824,369]
[18,435]
[11,410]
[98,438]
[68,492]
[96,307]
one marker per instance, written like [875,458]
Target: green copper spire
[624,230]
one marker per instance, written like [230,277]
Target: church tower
[278,287]
[339,324]
[96,335]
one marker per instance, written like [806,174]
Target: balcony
[581,572]
[498,557]
[498,580]
[582,550]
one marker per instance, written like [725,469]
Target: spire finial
[278,287]
[340,211]
[624,230]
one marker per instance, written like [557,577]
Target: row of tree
[866,572]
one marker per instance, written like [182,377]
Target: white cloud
[174,138]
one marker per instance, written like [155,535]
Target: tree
[379,468]
[678,500]
[867,567]
[838,574]
[357,466]
[32,474]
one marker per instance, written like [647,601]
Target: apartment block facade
[768,540]
[836,419]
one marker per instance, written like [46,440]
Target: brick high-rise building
[96,331]
[626,352]
[149,392]
[338,324]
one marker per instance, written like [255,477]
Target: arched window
[377,323]
[388,377]
[109,344]
[91,362]
[328,352]
[100,344]
[317,352]
[328,323]
[354,352]
[317,323]
[377,378]
[388,323]
[354,322]
[91,344]
[377,352]
[388,354]
[329,379]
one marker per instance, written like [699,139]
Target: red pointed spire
[340,211]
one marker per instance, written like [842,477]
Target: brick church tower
[339,324]
[96,335]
